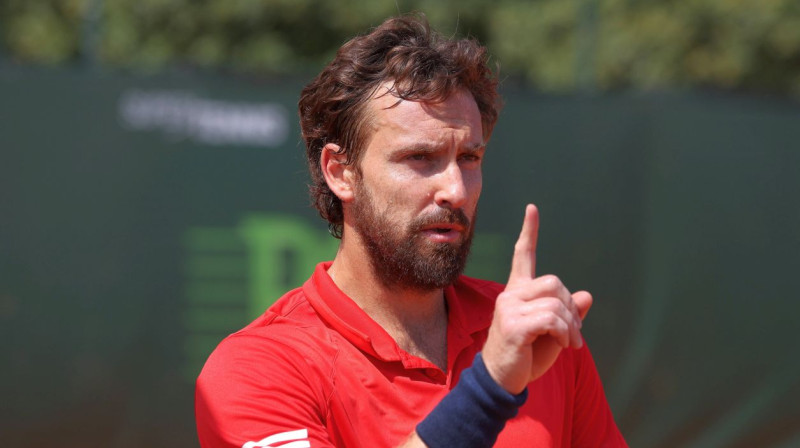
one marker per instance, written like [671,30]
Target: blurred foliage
[556,45]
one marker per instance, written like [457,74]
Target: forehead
[455,117]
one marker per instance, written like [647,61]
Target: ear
[339,176]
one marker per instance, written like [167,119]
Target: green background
[128,250]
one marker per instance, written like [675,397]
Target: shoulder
[273,376]
[287,341]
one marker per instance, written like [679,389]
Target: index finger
[523,265]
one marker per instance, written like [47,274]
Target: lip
[444,225]
[453,233]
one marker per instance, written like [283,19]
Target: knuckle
[551,304]
[550,282]
[550,320]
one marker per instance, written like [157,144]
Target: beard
[402,256]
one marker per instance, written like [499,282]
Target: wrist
[473,413]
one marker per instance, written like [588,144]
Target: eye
[470,157]
[419,157]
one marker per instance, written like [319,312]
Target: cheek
[394,199]
[406,188]
[474,183]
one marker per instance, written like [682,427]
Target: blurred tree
[556,45]
[44,31]
[727,43]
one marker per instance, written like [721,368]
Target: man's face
[416,196]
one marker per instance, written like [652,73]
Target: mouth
[444,228]
[443,232]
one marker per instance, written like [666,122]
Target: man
[388,344]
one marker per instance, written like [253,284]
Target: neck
[417,320]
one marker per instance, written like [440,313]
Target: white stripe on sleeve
[297,439]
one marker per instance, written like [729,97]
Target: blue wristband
[472,414]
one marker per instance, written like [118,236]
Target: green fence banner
[142,219]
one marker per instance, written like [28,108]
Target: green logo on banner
[234,273]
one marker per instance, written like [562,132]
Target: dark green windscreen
[143,219]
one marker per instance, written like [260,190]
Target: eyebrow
[475,147]
[422,147]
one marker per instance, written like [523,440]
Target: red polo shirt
[316,371]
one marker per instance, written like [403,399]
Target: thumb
[583,301]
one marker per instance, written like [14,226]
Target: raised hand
[534,319]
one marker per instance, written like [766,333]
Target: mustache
[441,215]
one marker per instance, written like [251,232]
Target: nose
[451,191]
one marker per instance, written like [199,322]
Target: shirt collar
[468,312]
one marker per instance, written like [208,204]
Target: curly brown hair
[423,66]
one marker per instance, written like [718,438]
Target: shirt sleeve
[593,424]
[255,392]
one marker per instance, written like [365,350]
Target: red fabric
[316,368]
